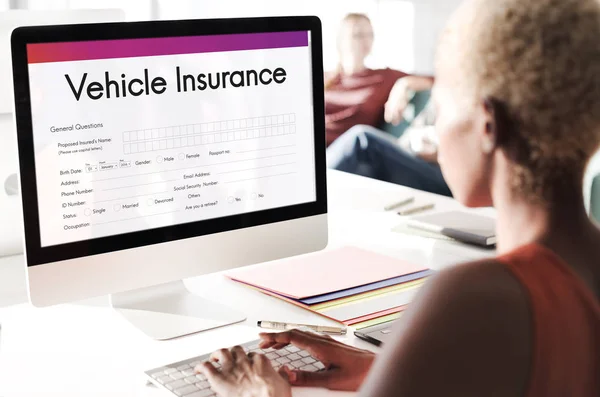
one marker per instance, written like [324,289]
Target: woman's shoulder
[475,318]
[479,283]
[479,294]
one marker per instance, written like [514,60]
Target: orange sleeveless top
[566,325]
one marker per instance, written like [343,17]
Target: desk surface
[87,349]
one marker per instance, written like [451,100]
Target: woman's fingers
[301,339]
[238,354]
[223,357]
[310,379]
[208,370]
[260,361]
[279,346]
[240,357]
[284,372]
[319,346]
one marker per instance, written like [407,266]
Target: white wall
[430,18]
[392,20]
[401,42]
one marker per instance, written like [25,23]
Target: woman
[355,94]
[518,120]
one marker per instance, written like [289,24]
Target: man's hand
[397,101]
[425,147]
[346,367]
[401,94]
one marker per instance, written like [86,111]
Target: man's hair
[540,59]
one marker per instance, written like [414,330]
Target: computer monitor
[150,152]
[9,20]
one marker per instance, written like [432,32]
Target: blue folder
[313,300]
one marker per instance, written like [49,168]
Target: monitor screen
[137,134]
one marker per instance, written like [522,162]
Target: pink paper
[324,272]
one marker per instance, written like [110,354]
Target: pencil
[398,204]
[415,210]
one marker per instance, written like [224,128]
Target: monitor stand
[170,310]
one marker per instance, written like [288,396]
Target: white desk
[87,350]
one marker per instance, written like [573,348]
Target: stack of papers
[349,285]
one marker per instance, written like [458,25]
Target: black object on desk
[377,334]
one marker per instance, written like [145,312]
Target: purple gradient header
[131,48]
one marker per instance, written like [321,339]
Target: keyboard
[181,380]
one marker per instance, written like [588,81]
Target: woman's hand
[243,375]
[346,367]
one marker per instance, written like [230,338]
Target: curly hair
[541,60]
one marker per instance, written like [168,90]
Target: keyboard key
[319,365]
[272,356]
[297,364]
[201,377]
[308,360]
[186,390]
[183,367]
[309,368]
[294,357]
[304,353]
[158,374]
[292,349]
[253,347]
[203,385]
[169,371]
[164,379]
[177,375]
[193,364]
[191,379]
[188,372]
[202,393]
[176,384]
[283,360]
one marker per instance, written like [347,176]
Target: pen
[399,204]
[317,328]
[414,210]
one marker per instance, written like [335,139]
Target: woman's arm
[469,334]
[401,93]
